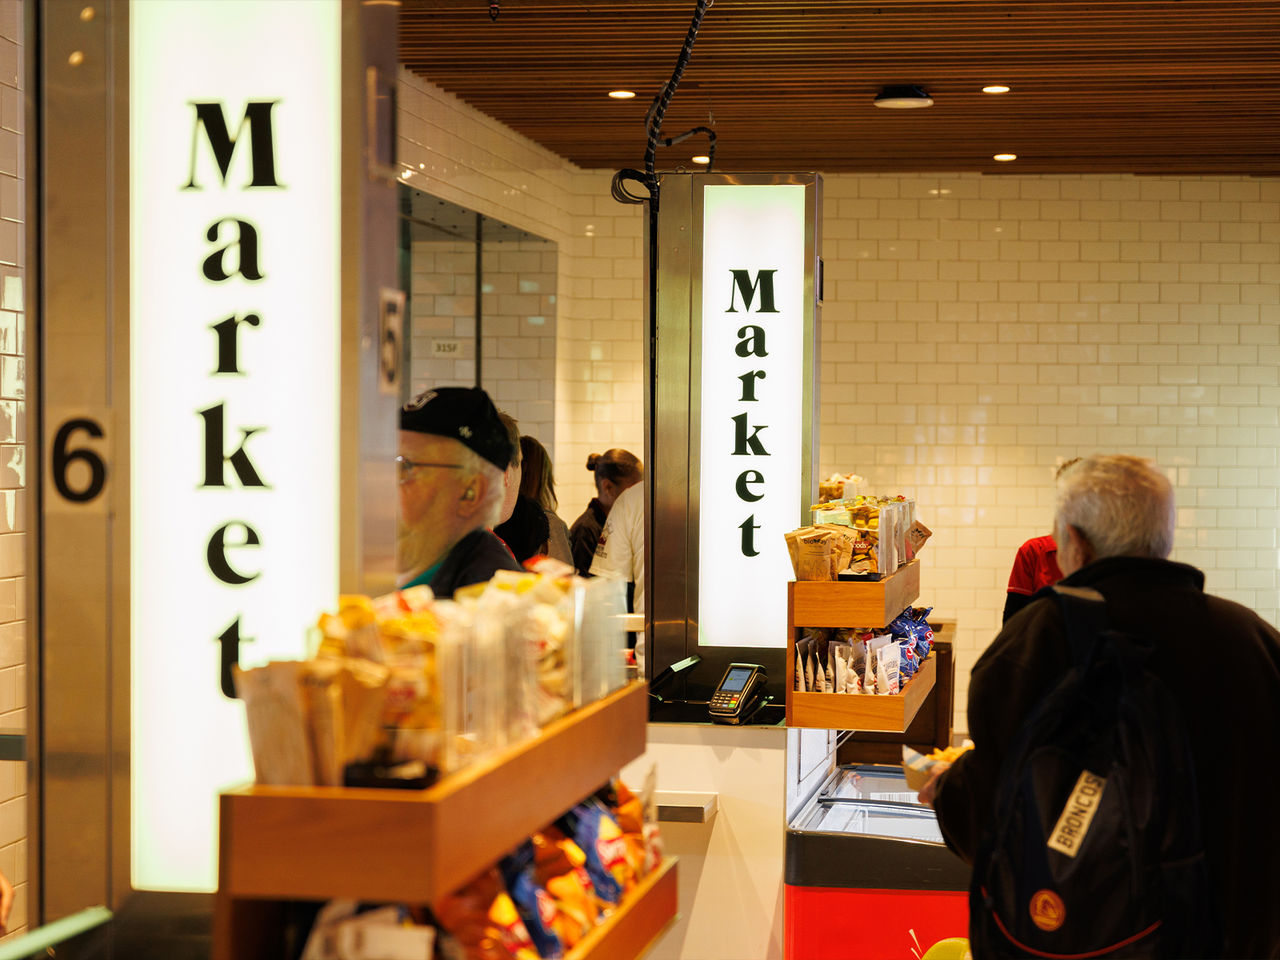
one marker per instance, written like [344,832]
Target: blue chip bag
[910,661]
[924,632]
[536,907]
[591,827]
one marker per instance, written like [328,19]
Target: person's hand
[6,903]
[929,792]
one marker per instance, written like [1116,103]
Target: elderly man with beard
[454,450]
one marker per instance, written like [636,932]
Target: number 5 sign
[77,468]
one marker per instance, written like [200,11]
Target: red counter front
[839,923]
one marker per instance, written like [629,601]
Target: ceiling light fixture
[622,94]
[995,88]
[908,97]
[701,158]
[1005,157]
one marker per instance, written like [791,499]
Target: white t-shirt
[620,549]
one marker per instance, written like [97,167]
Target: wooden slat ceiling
[1189,86]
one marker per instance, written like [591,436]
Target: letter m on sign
[262,151]
[743,284]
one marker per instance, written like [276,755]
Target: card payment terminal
[738,694]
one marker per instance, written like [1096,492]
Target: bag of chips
[596,833]
[535,905]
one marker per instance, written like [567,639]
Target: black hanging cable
[619,190]
[658,109]
[653,126]
[711,142]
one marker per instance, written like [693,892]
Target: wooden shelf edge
[644,916]
[398,845]
[861,712]
[853,603]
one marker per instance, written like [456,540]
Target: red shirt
[1035,566]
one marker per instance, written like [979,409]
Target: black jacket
[585,534]
[474,559]
[1222,663]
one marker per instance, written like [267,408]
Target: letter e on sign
[77,462]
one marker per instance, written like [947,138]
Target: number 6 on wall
[77,462]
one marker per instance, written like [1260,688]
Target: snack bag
[804,660]
[917,534]
[793,547]
[482,919]
[909,660]
[823,681]
[840,656]
[559,868]
[887,663]
[866,547]
[597,834]
[800,685]
[843,540]
[275,705]
[889,537]
[814,556]
[535,905]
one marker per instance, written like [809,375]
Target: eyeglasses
[405,466]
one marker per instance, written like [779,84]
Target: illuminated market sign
[234,188]
[752,393]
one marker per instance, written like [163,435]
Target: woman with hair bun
[614,470]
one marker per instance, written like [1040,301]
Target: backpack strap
[1084,615]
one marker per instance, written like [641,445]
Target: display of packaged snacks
[406,679]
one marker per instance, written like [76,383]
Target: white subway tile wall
[975,329]
[13,434]
[518,325]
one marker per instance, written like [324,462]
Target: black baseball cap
[465,414]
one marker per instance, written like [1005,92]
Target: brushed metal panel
[79,198]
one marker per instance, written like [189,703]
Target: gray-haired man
[1114,528]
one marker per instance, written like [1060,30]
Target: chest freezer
[867,873]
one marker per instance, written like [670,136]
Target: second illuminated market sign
[752,390]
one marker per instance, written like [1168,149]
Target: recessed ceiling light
[903,98]
[622,94]
[1005,157]
[995,88]
[701,158]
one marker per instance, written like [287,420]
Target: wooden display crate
[852,603]
[410,846]
[867,713]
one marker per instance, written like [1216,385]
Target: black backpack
[1096,848]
